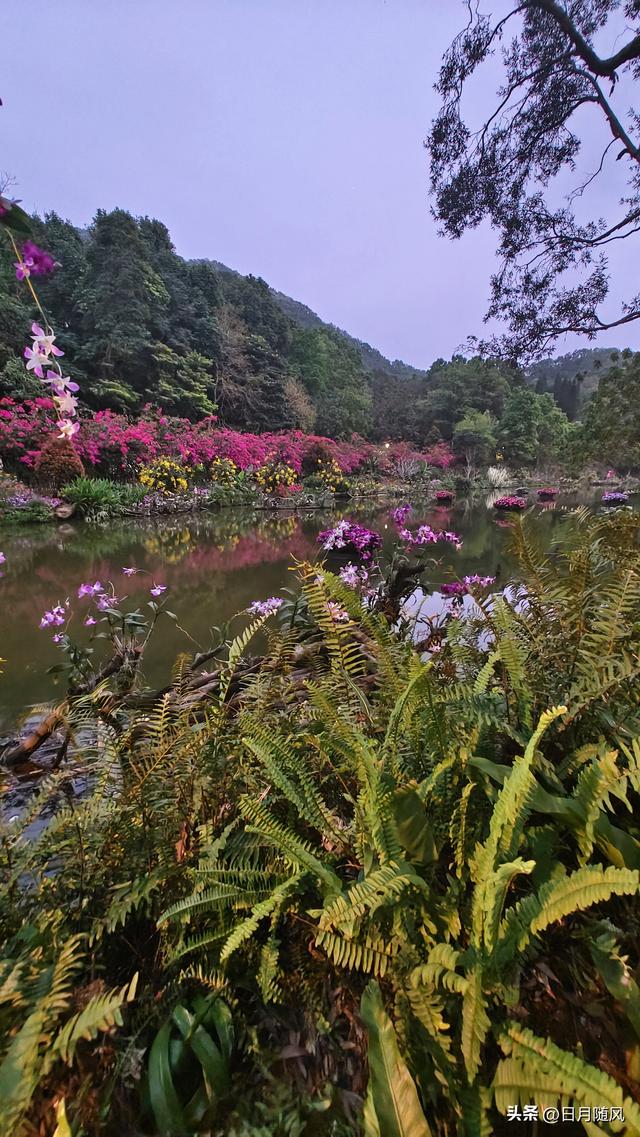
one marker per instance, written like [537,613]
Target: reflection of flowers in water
[170,545]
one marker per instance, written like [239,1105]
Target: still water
[213,564]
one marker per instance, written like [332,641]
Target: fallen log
[19,752]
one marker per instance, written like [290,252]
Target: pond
[213,564]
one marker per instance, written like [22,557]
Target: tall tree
[611,428]
[553,276]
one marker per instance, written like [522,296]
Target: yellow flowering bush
[165,476]
[224,471]
[277,478]
[329,474]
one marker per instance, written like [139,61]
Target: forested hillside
[573,378]
[139,324]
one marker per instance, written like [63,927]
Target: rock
[65,511]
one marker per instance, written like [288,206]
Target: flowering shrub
[614,497]
[547,493]
[277,478]
[113,446]
[330,475]
[224,471]
[166,476]
[510,502]
[57,464]
[444,495]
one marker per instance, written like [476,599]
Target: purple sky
[282,137]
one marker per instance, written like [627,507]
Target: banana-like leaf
[393,1107]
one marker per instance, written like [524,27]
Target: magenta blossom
[349,534]
[89,622]
[265,607]
[400,514]
[130,571]
[90,589]
[2,559]
[40,262]
[57,639]
[23,268]
[158,589]
[55,617]
[353,575]
[425,535]
[105,601]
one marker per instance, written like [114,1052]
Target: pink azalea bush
[111,445]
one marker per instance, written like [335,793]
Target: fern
[535,1069]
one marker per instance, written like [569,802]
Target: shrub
[57,464]
[165,476]
[277,478]
[317,455]
[224,472]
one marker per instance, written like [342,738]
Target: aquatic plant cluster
[351,536]
[510,502]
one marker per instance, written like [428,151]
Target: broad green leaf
[392,1095]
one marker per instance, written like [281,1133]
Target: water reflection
[214,565]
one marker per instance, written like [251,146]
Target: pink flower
[130,571]
[89,622]
[56,616]
[68,428]
[158,589]
[39,261]
[338,614]
[60,382]
[23,268]
[265,607]
[65,402]
[90,589]
[105,601]
[57,639]
[2,559]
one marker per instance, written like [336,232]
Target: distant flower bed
[614,497]
[444,495]
[112,445]
[510,502]
[547,493]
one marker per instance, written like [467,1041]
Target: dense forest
[139,324]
